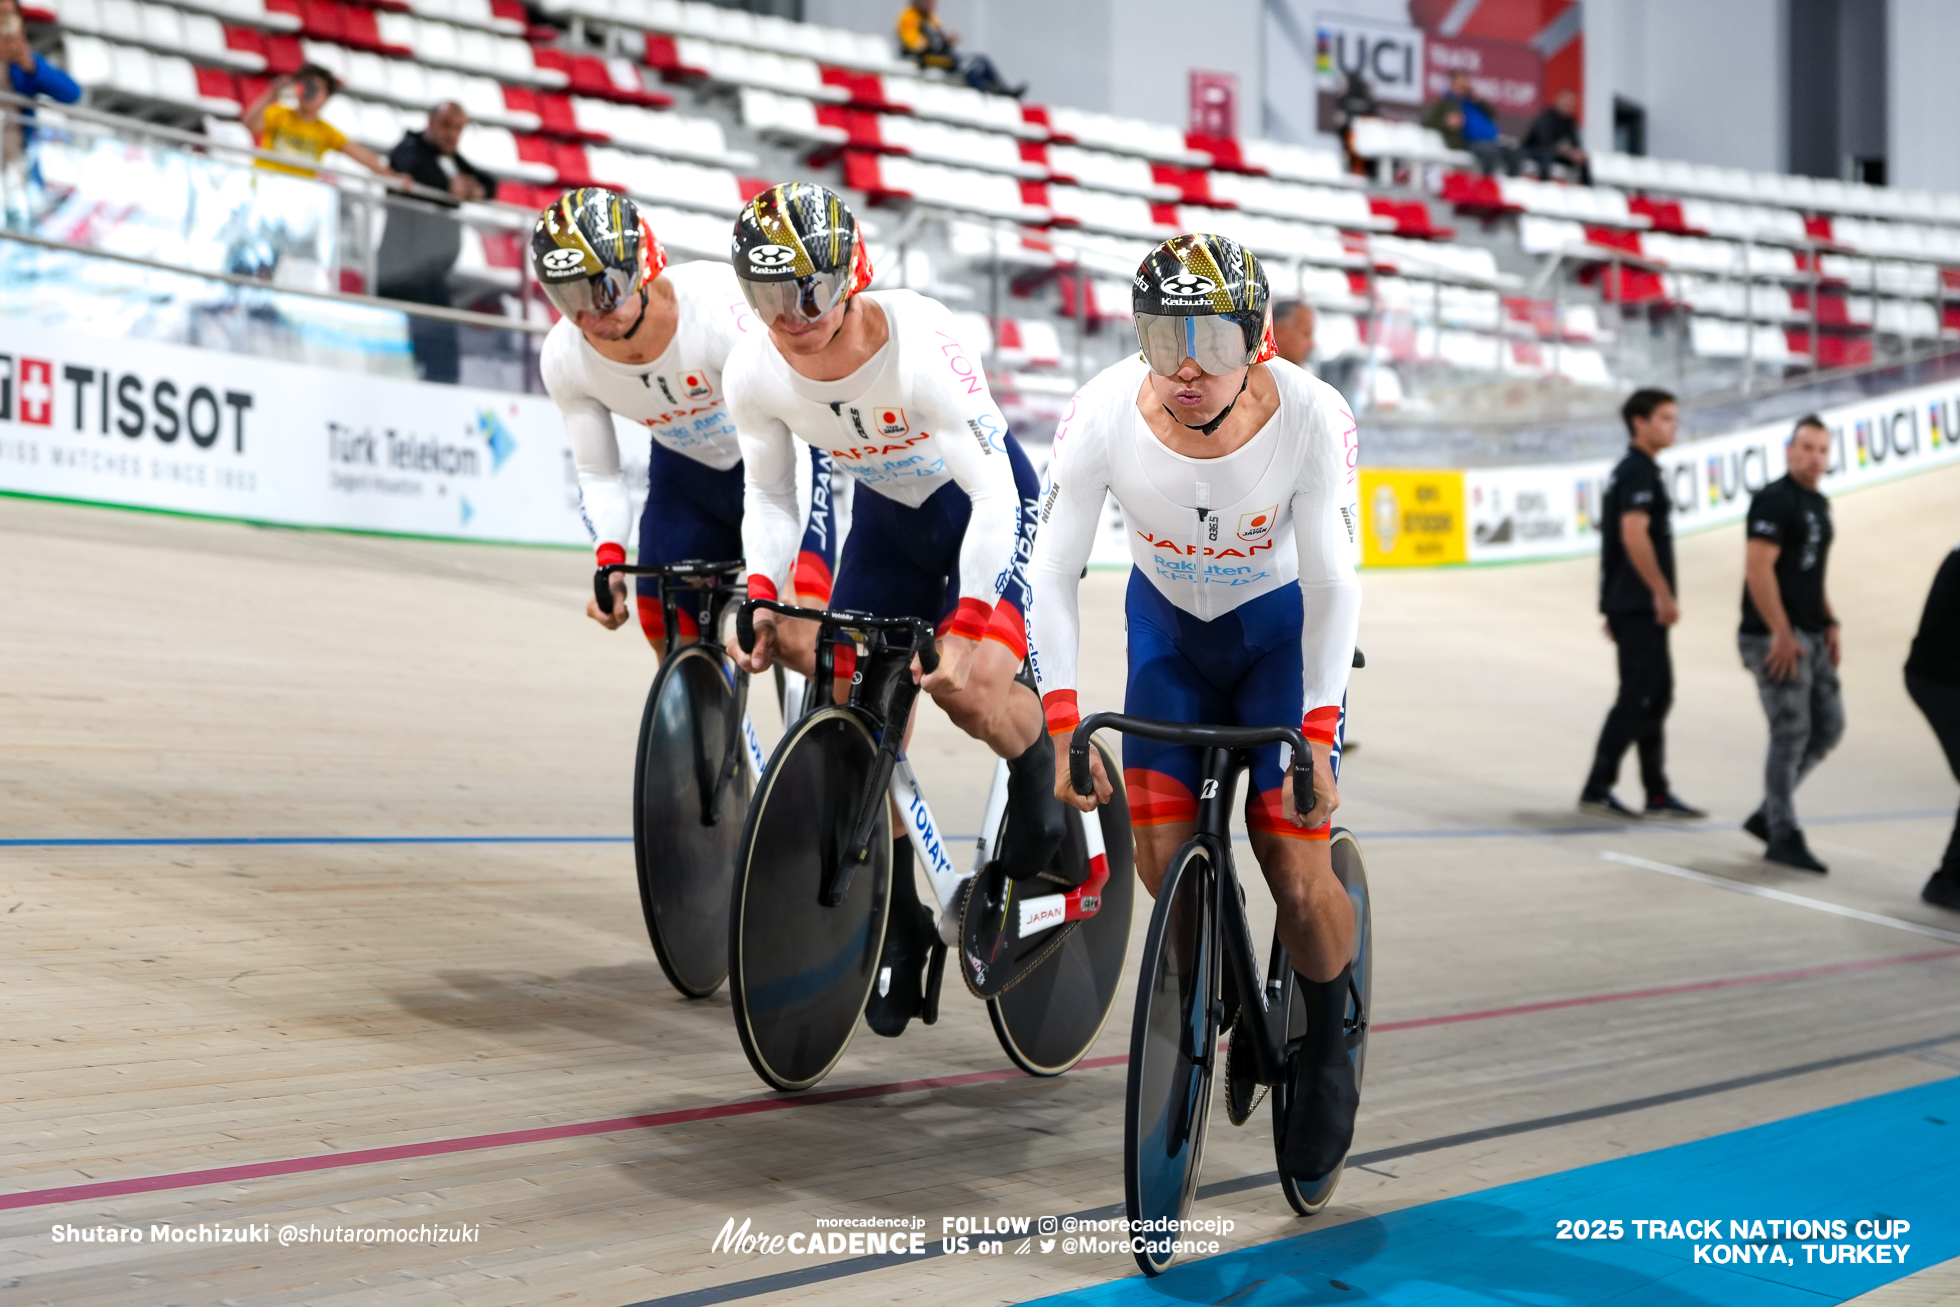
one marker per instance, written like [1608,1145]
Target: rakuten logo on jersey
[71,396]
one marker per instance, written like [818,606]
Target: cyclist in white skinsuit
[654,357]
[1235,474]
[942,522]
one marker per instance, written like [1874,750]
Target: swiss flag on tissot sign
[37,392]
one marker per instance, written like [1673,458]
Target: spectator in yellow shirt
[302,131]
[924,41]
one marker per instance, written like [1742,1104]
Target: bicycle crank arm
[926,842]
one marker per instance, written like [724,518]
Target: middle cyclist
[1235,474]
[942,524]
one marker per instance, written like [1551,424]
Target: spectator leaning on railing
[1468,123]
[28,73]
[301,130]
[421,242]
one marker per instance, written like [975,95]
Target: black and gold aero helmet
[592,251]
[1204,298]
[798,252]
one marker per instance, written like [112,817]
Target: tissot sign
[227,435]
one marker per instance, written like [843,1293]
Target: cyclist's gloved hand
[620,612]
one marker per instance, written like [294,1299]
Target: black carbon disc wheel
[1047,1020]
[684,840]
[800,972]
[1308,1198]
[1173,1042]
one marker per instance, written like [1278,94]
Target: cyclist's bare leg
[993,707]
[1315,918]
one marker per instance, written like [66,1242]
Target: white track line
[1764,892]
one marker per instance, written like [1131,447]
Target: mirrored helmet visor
[595,296]
[802,299]
[1216,343]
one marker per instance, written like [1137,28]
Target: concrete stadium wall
[1924,36]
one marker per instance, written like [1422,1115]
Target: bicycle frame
[1226,751]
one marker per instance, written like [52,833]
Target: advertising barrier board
[159,426]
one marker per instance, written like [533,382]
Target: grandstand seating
[549,109]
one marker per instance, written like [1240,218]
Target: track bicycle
[691,786]
[813,881]
[1200,976]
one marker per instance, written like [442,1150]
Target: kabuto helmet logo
[563,262]
[1189,283]
[771,257]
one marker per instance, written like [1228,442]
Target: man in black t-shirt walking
[1933,681]
[1789,638]
[1636,592]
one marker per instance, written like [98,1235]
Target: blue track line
[1893,1156]
[1371,836]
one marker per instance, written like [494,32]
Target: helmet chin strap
[1208,428]
[634,330]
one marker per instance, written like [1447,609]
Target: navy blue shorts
[694,513]
[905,562]
[1242,669]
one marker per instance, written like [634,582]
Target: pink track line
[753,1106]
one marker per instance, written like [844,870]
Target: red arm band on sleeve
[1059,706]
[610,554]
[761,587]
[1320,724]
[970,621]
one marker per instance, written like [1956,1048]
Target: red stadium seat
[1664,214]
[218,84]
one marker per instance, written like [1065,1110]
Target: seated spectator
[1357,101]
[420,245]
[301,130]
[1554,138]
[925,42]
[1468,123]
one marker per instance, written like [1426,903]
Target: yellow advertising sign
[1411,518]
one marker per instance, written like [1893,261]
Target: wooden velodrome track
[198,1031]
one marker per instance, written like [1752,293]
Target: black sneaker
[1670,806]
[1606,805]
[1943,891]
[1319,1117]
[899,993]
[1757,825]
[1790,851]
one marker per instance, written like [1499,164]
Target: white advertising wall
[134,422]
[1552,510]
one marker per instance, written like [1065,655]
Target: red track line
[752,1106]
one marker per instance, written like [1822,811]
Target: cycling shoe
[899,993]
[1319,1117]
[1036,819]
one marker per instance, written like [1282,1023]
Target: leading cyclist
[649,342]
[942,522]
[1234,472]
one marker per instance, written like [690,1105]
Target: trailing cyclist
[1235,474]
[942,521]
[649,342]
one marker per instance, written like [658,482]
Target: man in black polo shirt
[1636,592]
[1933,681]
[1789,638]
